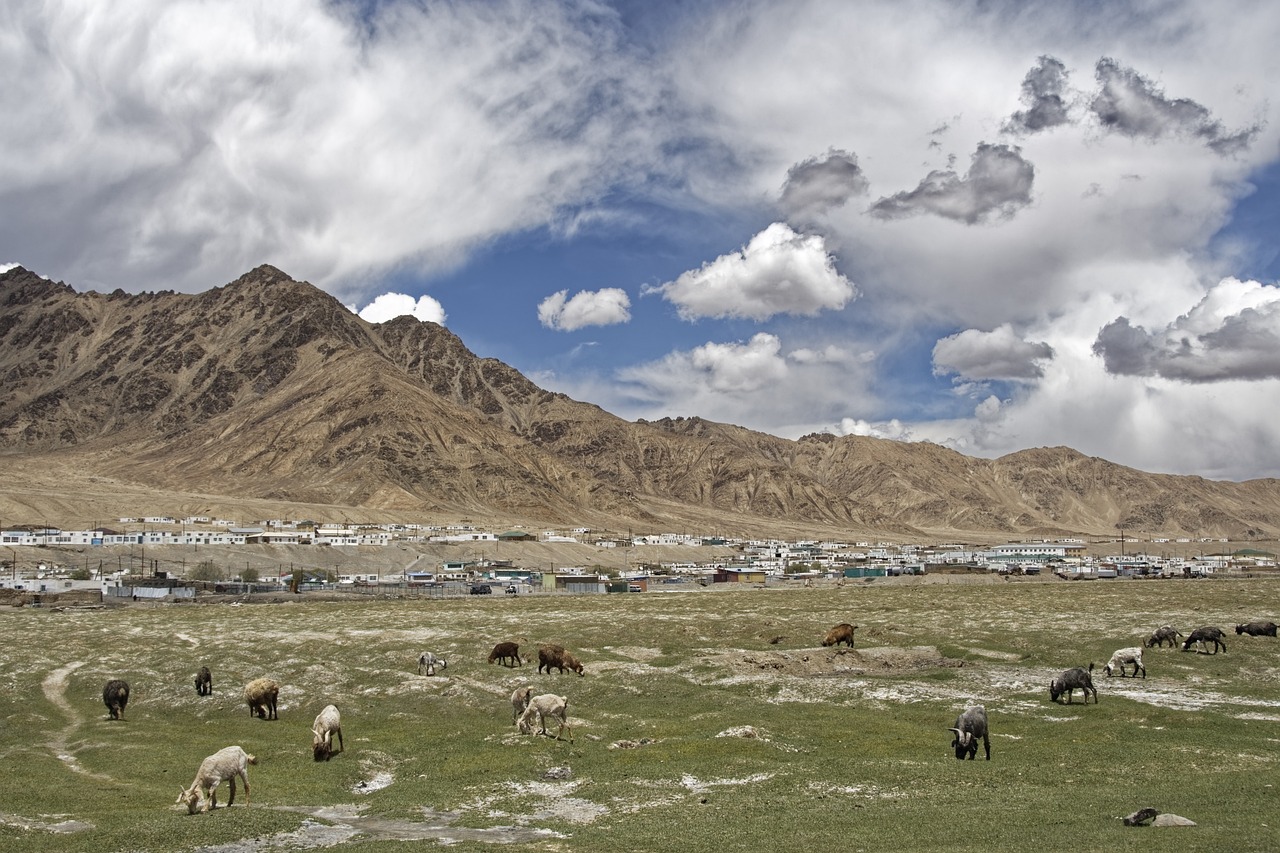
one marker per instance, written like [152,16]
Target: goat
[842,633]
[1257,629]
[550,655]
[1208,633]
[225,764]
[1162,635]
[115,695]
[261,694]
[1077,678]
[544,706]
[519,701]
[506,652]
[204,682]
[971,725]
[328,723]
[1124,657]
[428,663]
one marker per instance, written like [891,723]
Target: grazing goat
[225,764]
[552,655]
[1124,657]
[1077,678]
[1257,629]
[971,725]
[506,652]
[261,694]
[328,723]
[542,707]
[1205,635]
[428,663]
[842,633]
[204,682]
[115,695]
[1162,635]
[519,701]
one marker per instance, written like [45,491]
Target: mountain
[267,391]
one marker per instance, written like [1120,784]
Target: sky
[990,225]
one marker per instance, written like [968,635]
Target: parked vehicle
[481,589]
[511,590]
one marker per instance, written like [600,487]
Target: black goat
[204,682]
[971,725]
[1207,634]
[1257,629]
[115,695]
[1077,678]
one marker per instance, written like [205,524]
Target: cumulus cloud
[778,272]
[998,183]
[182,143]
[1134,106]
[999,354]
[388,306]
[1233,333]
[604,307]
[821,183]
[891,429]
[718,368]
[1044,92]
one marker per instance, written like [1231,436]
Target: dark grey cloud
[998,183]
[1044,92]
[1129,104]
[1199,347]
[821,183]
[999,354]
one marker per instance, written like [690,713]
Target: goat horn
[957,731]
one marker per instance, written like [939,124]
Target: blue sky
[990,225]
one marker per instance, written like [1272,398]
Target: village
[704,559]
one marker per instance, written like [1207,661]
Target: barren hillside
[266,393]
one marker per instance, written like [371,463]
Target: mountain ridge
[268,389]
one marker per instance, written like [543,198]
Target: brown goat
[550,655]
[842,633]
[506,652]
[261,694]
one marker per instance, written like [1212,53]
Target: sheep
[428,663]
[1208,633]
[544,706]
[328,723]
[204,682]
[971,725]
[225,764]
[842,633]
[506,652]
[261,694]
[1257,629]
[1124,657]
[550,655]
[1071,680]
[115,695]
[519,701]
[1162,635]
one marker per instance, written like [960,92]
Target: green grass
[855,761]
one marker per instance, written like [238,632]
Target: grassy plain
[693,730]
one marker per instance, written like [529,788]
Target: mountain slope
[269,389]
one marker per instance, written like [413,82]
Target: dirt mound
[883,660]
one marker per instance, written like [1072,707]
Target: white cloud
[388,306]
[6,267]
[605,307]
[338,141]
[777,272]
[998,354]
[891,429]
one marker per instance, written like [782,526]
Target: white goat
[428,663]
[328,723]
[225,764]
[519,701]
[1124,657]
[544,706]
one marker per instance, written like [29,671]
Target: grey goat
[1076,678]
[971,725]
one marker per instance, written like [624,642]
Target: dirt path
[55,690]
